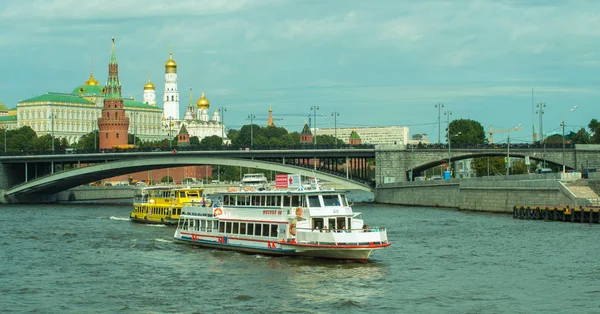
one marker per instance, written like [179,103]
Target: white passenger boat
[310,223]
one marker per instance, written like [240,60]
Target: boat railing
[342,236]
[195,210]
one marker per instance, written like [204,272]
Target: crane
[516,128]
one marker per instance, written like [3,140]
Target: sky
[376,63]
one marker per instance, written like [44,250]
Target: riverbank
[491,194]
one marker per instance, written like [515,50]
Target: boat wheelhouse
[254,180]
[162,204]
[318,223]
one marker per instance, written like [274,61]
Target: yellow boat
[162,204]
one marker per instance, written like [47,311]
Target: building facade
[371,135]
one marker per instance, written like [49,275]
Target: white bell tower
[171,94]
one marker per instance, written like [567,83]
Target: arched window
[172,98]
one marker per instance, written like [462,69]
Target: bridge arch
[71,178]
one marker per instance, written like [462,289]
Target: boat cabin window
[242,228]
[274,230]
[250,229]
[313,201]
[221,226]
[181,194]
[344,200]
[317,222]
[265,230]
[193,194]
[228,227]
[331,200]
[257,229]
[236,227]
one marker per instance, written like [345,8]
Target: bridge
[33,176]
[38,177]
[395,163]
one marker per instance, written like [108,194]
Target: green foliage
[489,166]
[213,142]
[194,142]
[166,179]
[86,142]
[468,132]
[328,140]
[130,140]
[581,137]
[594,126]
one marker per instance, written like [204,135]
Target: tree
[86,142]
[130,139]
[166,179]
[581,137]
[194,142]
[594,126]
[213,142]
[467,132]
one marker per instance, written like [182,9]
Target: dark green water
[89,258]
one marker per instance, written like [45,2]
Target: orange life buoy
[298,211]
[218,211]
[293,229]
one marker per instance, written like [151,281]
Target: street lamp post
[314,109]
[516,128]
[251,117]
[449,154]
[5,131]
[540,112]
[134,127]
[222,111]
[448,113]
[439,106]
[335,114]
[169,126]
[562,124]
[52,117]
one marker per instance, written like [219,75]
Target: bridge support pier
[393,164]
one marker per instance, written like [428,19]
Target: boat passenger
[365,228]
[217,202]
[344,229]
[316,229]
[325,229]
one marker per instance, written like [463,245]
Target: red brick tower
[354,138]
[183,138]
[113,125]
[306,135]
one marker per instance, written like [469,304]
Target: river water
[90,258]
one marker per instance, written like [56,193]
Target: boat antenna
[317,187]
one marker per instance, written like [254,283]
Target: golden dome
[149,85]
[171,65]
[92,81]
[203,103]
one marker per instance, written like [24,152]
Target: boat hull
[359,253]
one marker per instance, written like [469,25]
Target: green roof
[306,129]
[354,136]
[8,118]
[130,103]
[58,98]
[89,90]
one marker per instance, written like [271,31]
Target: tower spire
[113,86]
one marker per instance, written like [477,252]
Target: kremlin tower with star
[113,124]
